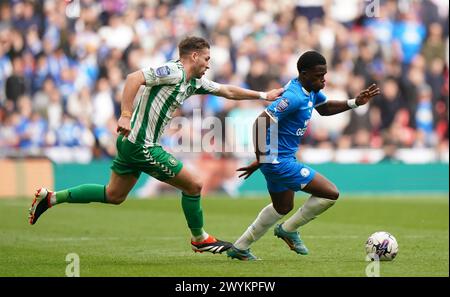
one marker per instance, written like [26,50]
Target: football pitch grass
[150,238]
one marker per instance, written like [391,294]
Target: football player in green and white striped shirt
[138,149]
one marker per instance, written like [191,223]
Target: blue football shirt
[291,114]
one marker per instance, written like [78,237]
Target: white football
[381,246]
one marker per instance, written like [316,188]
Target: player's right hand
[248,170]
[124,126]
[274,94]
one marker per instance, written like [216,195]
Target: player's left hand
[124,126]
[367,94]
[272,95]
[248,170]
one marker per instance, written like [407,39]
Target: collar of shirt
[305,91]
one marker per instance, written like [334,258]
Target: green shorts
[134,158]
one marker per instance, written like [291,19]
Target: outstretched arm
[336,106]
[237,93]
[133,82]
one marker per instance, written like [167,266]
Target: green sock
[193,212]
[82,194]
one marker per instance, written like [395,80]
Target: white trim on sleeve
[272,117]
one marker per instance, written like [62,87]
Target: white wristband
[352,103]
[263,95]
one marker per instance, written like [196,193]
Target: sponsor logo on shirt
[302,131]
[282,105]
[162,71]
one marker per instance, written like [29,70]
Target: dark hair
[192,44]
[310,59]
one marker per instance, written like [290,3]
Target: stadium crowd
[63,65]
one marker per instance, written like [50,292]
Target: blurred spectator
[429,11]
[41,98]
[389,102]
[33,133]
[33,42]
[400,130]
[436,80]
[9,136]
[103,108]
[259,76]
[5,66]
[346,12]
[70,134]
[54,110]
[17,47]
[5,15]
[409,34]
[434,46]
[116,34]
[15,84]
[424,116]
[79,105]
[389,150]
[312,10]
[382,28]
[367,61]
[24,16]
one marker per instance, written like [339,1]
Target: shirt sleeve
[283,106]
[167,74]
[206,86]
[320,99]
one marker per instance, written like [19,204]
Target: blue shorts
[287,175]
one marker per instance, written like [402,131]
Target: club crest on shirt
[173,161]
[190,90]
[282,105]
[162,71]
[304,172]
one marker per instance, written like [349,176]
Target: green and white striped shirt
[165,90]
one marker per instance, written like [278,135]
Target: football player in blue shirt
[277,134]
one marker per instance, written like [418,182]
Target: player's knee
[283,209]
[194,188]
[115,197]
[333,193]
